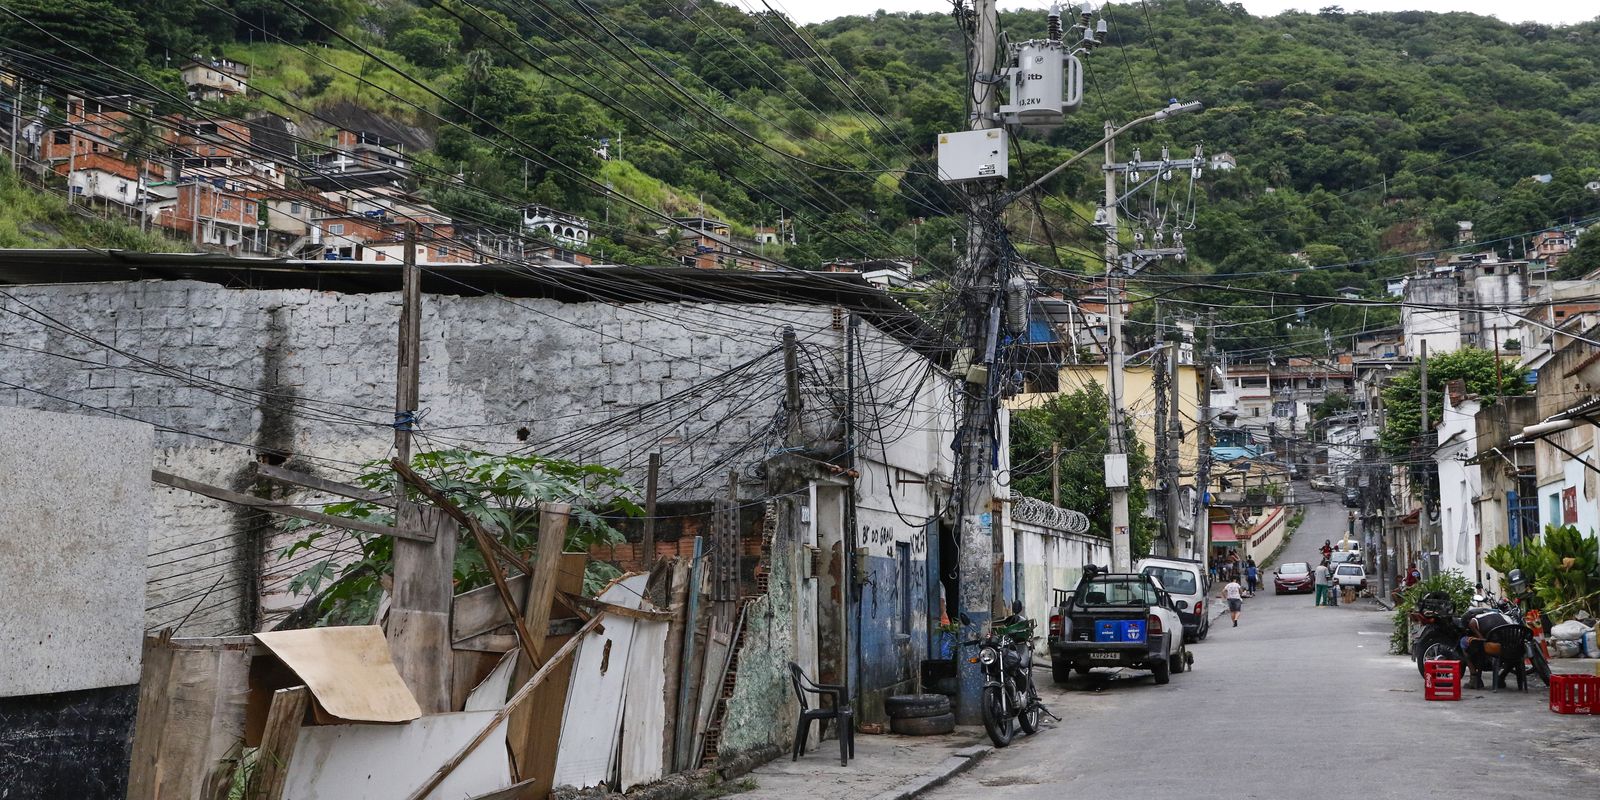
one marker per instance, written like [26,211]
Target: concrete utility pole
[979,281]
[1424,524]
[1202,473]
[1174,429]
[1117,459]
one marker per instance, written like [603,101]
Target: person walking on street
[1251,575]
[1234,594]
[1322,584]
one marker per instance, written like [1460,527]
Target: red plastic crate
[1441,680]
[1575,694]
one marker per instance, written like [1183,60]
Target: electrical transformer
[1044,82]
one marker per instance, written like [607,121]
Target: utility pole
[419,613]
[1202,473]
[1055,474]
[1117,459]
[1424,524]
[978,283]
[1174,440]
[1160,380]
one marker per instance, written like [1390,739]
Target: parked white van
[1187,581]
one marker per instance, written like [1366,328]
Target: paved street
[1299,702]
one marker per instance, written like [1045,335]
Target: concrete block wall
[310,375]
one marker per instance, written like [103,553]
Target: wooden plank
[500,716]
[419,611]
[678,595]
[553,519]
[278,744]
[647,614]
[191,718]
[644,706]
[683,737]
[535,734]
[149,728]
[480,611]
[525,790]
[485,546]
[719,642]
[323,485]
[285,509]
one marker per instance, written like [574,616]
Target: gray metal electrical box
[1116,470]
[973,155]
[1044,83]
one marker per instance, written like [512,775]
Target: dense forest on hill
[1360,138]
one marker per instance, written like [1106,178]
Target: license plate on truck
[1106,656]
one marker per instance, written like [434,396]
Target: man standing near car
[1322,583]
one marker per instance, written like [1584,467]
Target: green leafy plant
[1563,566]
[502,492]
[1453,583]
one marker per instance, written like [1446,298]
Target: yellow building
[1139,399]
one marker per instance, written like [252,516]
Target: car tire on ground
[923,726]
[1162,672]
[912,706]
[1060,673]
[1205,630]
[1084,670]
[1178,663]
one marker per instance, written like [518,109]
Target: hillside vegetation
[1360,138]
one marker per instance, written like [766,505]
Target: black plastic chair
[839,712]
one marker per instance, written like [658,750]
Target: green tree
[1077,422]
[74,32]
[501,492]
[1584,259]
[1402,401]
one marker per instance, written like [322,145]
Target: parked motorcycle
[1444,634]
[1005,655]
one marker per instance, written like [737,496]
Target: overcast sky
[1551,12]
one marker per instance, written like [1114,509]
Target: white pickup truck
[1116,620]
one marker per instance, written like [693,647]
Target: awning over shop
[1223,533]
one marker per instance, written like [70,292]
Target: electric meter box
[1044,84]
[973,155]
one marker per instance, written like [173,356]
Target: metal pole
[1424,525]
[1121,542]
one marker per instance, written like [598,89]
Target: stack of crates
[1575,694]
[1441,680]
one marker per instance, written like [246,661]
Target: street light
[1173,109]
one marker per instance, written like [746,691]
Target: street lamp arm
[1170,111]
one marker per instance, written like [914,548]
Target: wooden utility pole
[647,558]
[419,616]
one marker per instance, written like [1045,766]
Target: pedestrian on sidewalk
[1234,593]
[1321,581]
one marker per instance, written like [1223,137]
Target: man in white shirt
[1234,594]
[1322,584]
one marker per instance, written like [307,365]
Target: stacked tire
[920,714]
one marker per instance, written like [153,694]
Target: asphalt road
[1299,702]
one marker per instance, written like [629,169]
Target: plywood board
[348,670]
[535,733]
[591,726]
[75,517]
[644,706]
[384,762]
[492,692]
[191,717]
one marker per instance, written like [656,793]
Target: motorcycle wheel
[1541,666]
[1434,646]
[1028,720]
[995,720]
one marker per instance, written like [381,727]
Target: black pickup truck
[1116,620]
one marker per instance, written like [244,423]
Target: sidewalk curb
[963,760]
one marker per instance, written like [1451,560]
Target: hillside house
[215,79]
[559,226]
[355,160]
